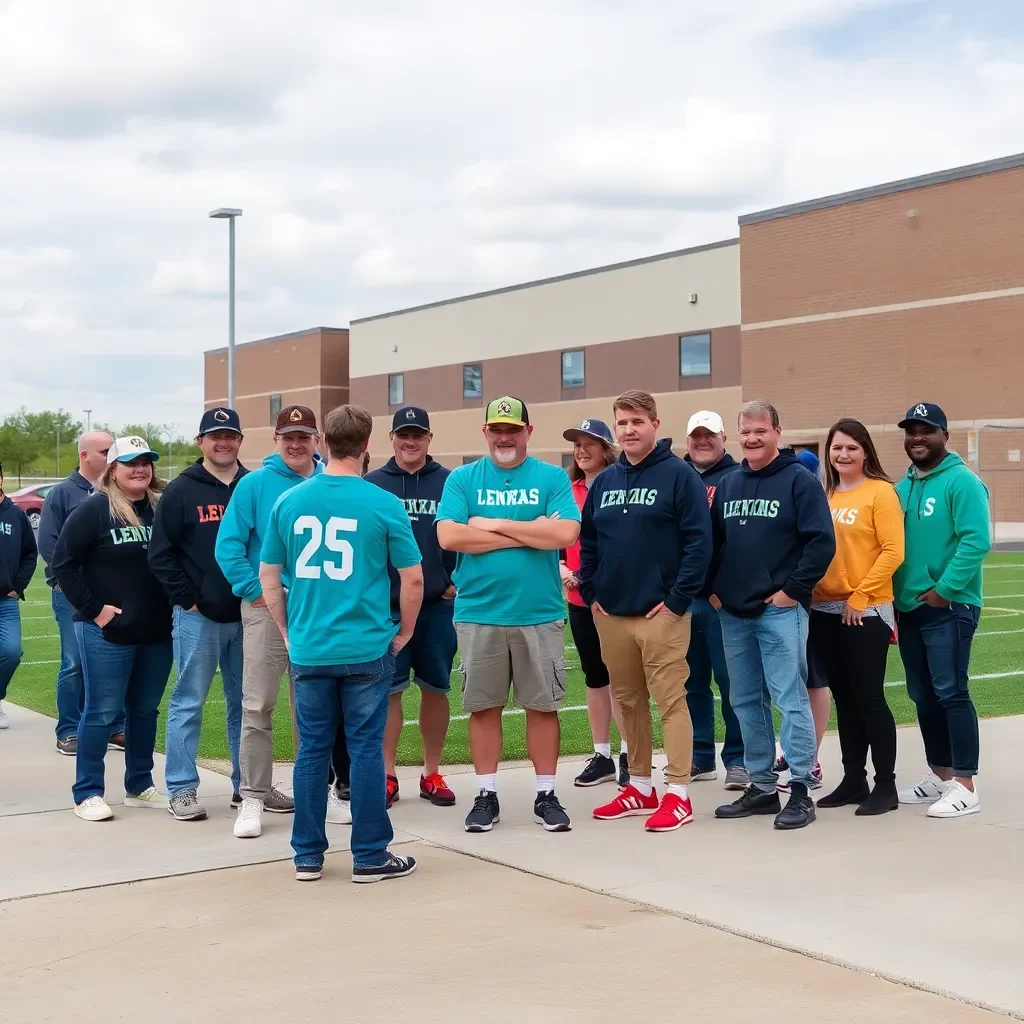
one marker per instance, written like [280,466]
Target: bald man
[60,503]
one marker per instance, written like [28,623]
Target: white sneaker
[5,722]
[957,801]
[93,809]
[927,791]
[150,797]
[338,811]
[249,823]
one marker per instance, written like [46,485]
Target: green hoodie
[945,516]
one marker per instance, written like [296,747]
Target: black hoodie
[645,536]
[17,549]
[421,494]
[711,478]
[181,553]
[773,531]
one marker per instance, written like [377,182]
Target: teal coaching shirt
[334,535]
[516,586]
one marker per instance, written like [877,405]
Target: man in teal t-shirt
[938,604]
[333,537]
[508,516]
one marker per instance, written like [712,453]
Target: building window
[396,389]
[473,380]
[567,460]
[573,374]
[469,459]
[695,355]
[275,407]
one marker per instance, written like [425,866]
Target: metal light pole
[88,419]
[58,451]
[229,214]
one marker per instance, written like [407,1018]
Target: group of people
[776,583]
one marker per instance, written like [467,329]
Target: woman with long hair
[593,450]
[852,615]
[122,624]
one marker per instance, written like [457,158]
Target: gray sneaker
[736,777]
[185,806]
[276,802]
[68,746]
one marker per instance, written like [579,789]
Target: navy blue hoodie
[60,503]
[17,549]
[421,494]
[645,536]
[711,478]
[773,531]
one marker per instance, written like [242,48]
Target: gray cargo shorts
[529,659]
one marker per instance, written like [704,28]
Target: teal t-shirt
[516,586]
[334,536]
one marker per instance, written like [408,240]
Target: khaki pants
[264,661]
[648,657]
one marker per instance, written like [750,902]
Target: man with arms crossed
[264,655]
[774,540]
[705,445]
[508,516]
[207,625]
[938,605]
[60,503]
[335,536]
[417,480]
[646,544]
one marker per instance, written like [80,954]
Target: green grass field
[997,670]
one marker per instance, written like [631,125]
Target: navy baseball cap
[591,428]
[219,419]
[412,417]
[924,412]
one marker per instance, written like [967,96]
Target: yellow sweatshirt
[869,545]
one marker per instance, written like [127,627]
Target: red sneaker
[626,804]
[435,789]
[674,812]
[391,783]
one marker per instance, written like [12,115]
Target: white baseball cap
[708,420]
[127,449]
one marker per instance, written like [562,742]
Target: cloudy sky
[394,152]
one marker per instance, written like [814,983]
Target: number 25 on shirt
[329,536]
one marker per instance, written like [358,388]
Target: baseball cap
[924,412]
[507,410]
[592,428]
[412,417]
[706,419]
[219,419]
[129,448]
[296,419]
[808,460]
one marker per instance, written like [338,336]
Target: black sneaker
[484,813]
[344,792]
[753,801]
[547,811]
[236,800]
[799,810]
[68,746]
[623,770]
[599,769]
[307,872]
[393,867]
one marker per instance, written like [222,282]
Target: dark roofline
[552,280]
[278,337]
[1003,163]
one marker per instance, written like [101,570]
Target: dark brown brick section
[650,364]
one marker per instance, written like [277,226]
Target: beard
[505,454]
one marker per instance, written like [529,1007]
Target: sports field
[997,670]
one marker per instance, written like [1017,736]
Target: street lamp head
[225,213]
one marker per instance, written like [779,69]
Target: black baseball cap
[924,412]
[591,428]
[219,419]
[411,417]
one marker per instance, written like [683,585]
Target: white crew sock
[604,749]
[622,747]
[487,782]
[680,791]
[545,783]
[643,786]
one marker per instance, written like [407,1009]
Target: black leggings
[854,659]
[588,646]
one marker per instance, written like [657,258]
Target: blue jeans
[70,685]
[322,692]
[935,645]
[767,658]
[200,645]
[10,641]
[118,676]
[706,654]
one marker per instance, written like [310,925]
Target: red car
[31,499]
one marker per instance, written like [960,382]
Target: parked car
[31,499]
